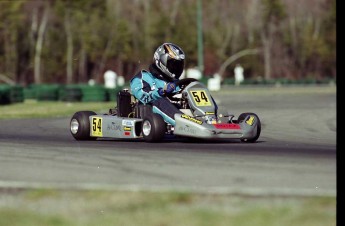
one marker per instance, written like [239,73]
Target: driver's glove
[168,88]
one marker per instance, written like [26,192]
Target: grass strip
[45,109]
[49,207]
[51,109]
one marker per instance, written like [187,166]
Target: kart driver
[151,87]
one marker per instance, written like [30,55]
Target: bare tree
[39,43]
[9,38]
[69,54]
[272,15]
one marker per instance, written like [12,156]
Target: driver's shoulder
[146,72]
[147,75]
[143,74]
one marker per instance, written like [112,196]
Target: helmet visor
[175,67]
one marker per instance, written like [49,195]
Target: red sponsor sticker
[127,133]
[227,126]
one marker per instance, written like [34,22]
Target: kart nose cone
[74,126]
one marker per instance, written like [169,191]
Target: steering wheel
[184,82]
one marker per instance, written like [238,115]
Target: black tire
[242,117]
[153,128]
[80,125]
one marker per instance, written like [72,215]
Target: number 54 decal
[96,129]
[201,98]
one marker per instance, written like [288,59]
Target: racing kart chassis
[199,118]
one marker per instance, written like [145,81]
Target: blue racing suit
[145,86]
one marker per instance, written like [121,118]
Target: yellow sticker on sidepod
[191,119]
[250,121]
[96,129]
[127,128]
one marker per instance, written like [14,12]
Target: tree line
[72,41]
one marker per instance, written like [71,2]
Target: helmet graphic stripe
[171,52]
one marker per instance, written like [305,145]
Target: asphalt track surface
[295,154]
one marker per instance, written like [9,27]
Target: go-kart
[199,118]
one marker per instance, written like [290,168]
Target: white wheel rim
[74,126]
[146,128]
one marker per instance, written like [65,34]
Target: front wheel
[80,125]
[244,116]
[153,128]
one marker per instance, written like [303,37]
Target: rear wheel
[80,125]
[244,116]
[153,128]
